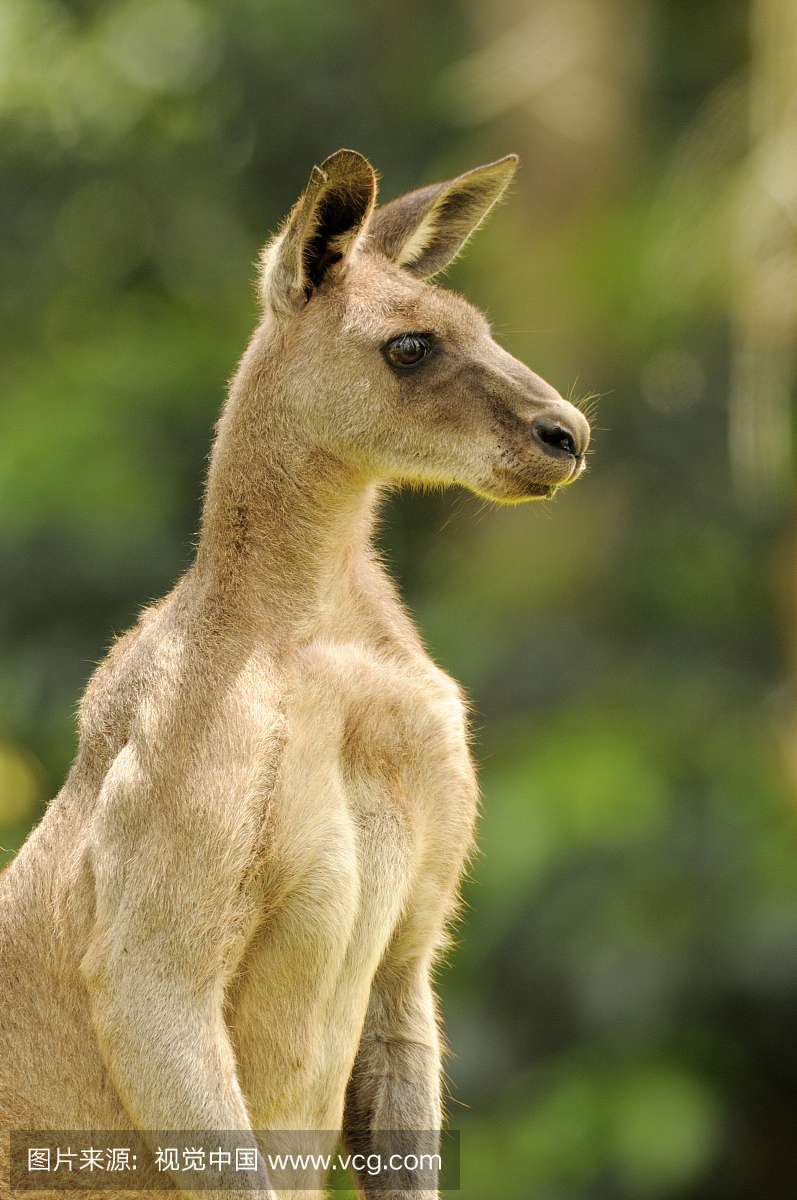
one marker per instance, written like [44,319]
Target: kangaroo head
[390,374]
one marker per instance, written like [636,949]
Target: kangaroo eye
[407,350]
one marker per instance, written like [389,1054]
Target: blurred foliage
[622,1008]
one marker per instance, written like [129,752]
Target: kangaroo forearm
[397,1070]
[175,1074]
[394,1085]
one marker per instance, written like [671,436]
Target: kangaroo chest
[371,806]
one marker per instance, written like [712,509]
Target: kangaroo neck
[286,527]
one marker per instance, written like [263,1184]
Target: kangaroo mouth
[513,485]
[543,491]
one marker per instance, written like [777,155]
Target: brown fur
[228,916]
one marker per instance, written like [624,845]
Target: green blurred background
[622,1002]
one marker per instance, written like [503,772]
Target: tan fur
[228,917]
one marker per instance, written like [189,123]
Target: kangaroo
[228,917]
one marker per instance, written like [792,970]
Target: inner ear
[339,216]
[319,260]
[342,207]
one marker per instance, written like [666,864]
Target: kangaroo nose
[556,437]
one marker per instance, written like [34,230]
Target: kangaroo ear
[320,232]
[424,230]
